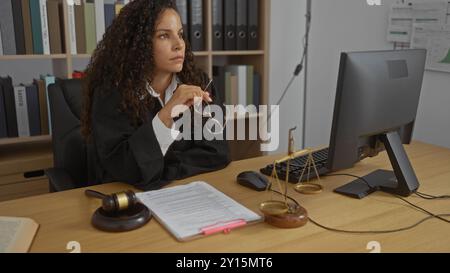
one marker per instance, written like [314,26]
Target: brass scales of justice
[284,213]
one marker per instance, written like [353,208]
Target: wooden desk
[65,216]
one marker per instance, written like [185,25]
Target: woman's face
[168,43]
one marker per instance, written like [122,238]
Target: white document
[403,15]
[185,210]
[430,12]
[400,23]
[435,38]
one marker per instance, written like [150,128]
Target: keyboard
[296,167]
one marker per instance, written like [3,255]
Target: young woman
[141,71]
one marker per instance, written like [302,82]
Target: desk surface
[65,216]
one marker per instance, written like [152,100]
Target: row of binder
[235,24]
[24,108]
[37,26]
[31,27]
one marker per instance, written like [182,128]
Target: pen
[225,227]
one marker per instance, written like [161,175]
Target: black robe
[120,152]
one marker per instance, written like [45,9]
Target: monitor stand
[402,181]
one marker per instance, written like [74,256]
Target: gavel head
[119,201]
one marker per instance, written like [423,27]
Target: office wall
[345,26]
[286,31]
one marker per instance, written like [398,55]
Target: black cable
[379,231]
[431,197]
[420,194]
[368,231]
[422,209]
[399,197]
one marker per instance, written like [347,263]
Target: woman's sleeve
[131,155]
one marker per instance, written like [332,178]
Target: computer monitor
[375,109]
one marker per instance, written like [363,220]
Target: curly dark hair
[123,62]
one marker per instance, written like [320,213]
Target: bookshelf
[36,151]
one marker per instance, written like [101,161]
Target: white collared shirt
[165,136]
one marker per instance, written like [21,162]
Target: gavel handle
[96,194]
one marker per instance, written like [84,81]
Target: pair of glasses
[204,109]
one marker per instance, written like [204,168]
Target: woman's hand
[183,98]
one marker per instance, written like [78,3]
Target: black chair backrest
[69,147]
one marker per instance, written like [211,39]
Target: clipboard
[196,210]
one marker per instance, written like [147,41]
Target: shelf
[236,117]
[238,53]
[201,53]
[33,57]
[205,53]
[19,140]
[81,56]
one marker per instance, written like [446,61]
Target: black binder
[3,128]
[219,83]
[18,27]
[241,25]
[10,106]
[253,28]
[182,7]
[34,117]
[217,27]
[196,33]
[230,24]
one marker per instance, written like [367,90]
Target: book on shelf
[10,108]
[27,30]
[34,119]
[99,19]
[18,27]
[55,25]
[7,28]
[90,26]
[237,84]
[3,128]
[44,27]
[80,28]
[17,234]
[38,26]
[110,12]
[23,128]
[24,107]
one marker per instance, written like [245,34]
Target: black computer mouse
[253,180]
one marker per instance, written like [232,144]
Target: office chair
[70,157]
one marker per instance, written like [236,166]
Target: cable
[426,196]
[368,231]
[431,215]
[378,231]
[420,194]
[422,209]
[431,197]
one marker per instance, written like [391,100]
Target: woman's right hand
[183,98]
